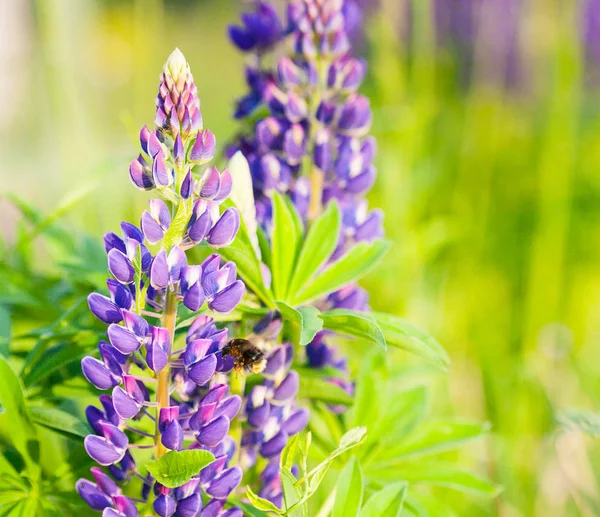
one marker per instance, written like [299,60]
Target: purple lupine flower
[188,403]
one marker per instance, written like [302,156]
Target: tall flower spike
[189,405]
[311,113]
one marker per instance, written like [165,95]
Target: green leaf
[435,437]
[315,388]
[292,494]
[349,491]
[437,473]
[285,238]
[289,452]
[53,359]
[579,420]
[15,421]
[352,266]
[356,324]
[262,504]
[248,267]
[305,321]
[387,502]
[402,334]
[320,243]
[177,467]
[251,511]
[60,421]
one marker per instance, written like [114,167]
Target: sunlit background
[487,115]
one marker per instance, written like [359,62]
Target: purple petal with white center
[202,371]
[120,294]
[229,407]
[190,506]
[104,309]
[125,505]
[176,261]
[274,446]
[125,406]
[225,229]
[200,227]
[187,489]
[160,212]
[211,183]
[371,228]
[212,470]
[257,417]
[135,389]
[194,297]
[296,422]
[113,359]
[135,323]
[152,230]
[226,300]
[275,362]
[215,394]
[154,146]
[122,339]
[144,137]
[104,482]
[288,387]
[210,265]
[159,271]
[214,282]
[363,182]
[195,351]
[156,357]
[166,416]
[101,451]
[211,434]
[226,186]
[138,175]
[161,175]
[212,509]
[94,498]
[201,417]
[225,483]
[164,505]
[98,374]
[204,147]
[172,437]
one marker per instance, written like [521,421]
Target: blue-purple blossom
[188,402]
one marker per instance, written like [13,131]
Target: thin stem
[162,390]
[237,386]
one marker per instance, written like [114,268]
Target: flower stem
[237,386]
[162,390]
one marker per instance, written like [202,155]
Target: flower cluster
[162,398]
[309,139]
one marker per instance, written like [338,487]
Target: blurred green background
[489,174]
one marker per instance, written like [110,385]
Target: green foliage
[579,420]
[176,468]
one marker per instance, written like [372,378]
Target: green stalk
[163,385]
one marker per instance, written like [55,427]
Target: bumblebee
[246,355]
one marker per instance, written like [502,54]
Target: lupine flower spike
[160,396]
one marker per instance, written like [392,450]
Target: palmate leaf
[176,468]
[321,390]
[60,421]
[402,334]
[349,490]
[285,241]
[350,267]
[356,324]
[321,241]
[305,321]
